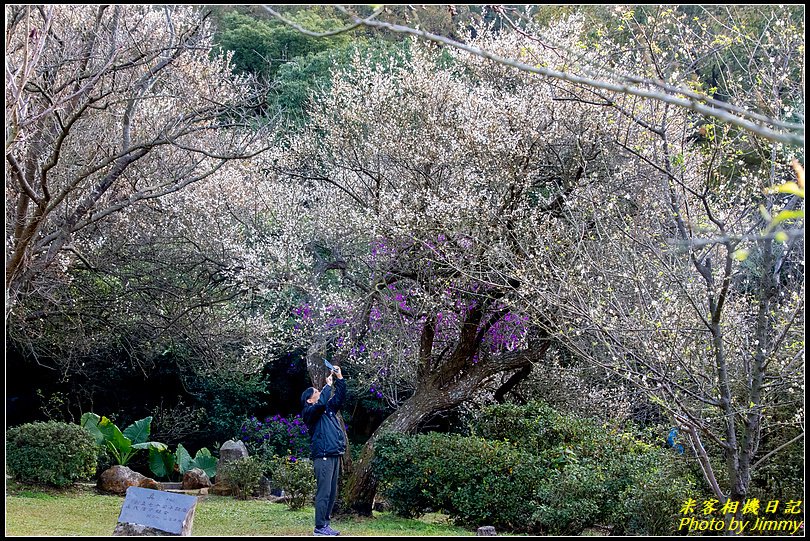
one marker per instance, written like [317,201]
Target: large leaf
[183,459]
[90,421]
[119,444]
[156,445]
[206,462]
[161,461]
[138,432]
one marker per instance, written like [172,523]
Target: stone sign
[155,512]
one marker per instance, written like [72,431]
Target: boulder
[118,478]
[265,488]
[195,478]
[230,451]
[486,530]
[221,488]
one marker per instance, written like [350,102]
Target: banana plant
[122,445]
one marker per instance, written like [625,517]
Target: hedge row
[536,471]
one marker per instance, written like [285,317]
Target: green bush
[244,476]
[651,504]
[474,480]
[535,426]
[536,470]
[296,477]
[598,470]
[120,445]
[572,499]
[51,453]
[164,463]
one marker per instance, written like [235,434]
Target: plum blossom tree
[131,199]
[107,107]
[675,273]
[682,283]
[635,284]
[713,33]
[613,253]
[423,177]
[711,336]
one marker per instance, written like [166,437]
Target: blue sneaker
[321,531]
[330,530]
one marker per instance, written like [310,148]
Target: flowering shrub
[275,436]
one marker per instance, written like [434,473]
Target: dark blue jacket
[324,427]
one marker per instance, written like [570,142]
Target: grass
[81,511]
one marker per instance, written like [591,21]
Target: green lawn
[82,512]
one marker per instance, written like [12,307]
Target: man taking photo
[328,444]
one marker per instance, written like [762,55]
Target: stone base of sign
[486,530]
[125,528]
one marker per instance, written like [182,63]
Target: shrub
[244,476]
[51,453]
[164,463]
[295,476]
[651,504]
[474,480]
[536,471]
[535,426]
[571,499]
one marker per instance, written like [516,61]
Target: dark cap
[306,396]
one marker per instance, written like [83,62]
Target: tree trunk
[361,485]
[441,392]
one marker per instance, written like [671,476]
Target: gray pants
[326,474]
